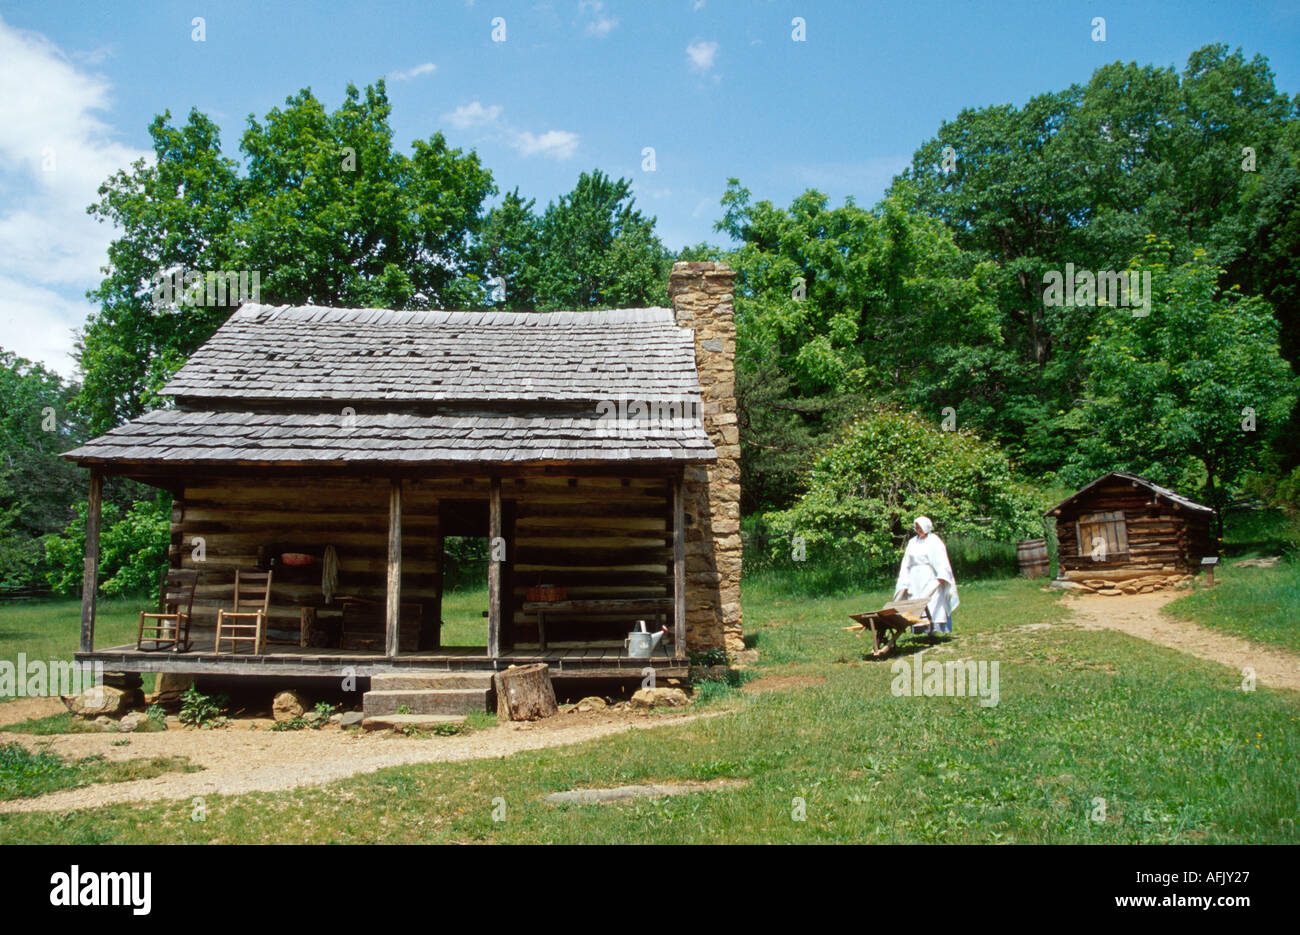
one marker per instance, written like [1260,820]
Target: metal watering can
[640,644]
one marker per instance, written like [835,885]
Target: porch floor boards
[589,661]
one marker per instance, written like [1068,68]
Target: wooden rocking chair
[252,590]
[171,625]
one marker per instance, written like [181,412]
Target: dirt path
[238,761]
[1141,615]
[29,709]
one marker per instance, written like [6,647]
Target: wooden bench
[657,608]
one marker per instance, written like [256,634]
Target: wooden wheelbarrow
[890,622]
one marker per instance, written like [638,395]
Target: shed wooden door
[1103,537]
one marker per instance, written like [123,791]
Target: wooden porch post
[494,570]
[90,579]
[394,605]
[679,569]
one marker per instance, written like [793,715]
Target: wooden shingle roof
[179,437]
[281,385]
[1160,492]
[280,352]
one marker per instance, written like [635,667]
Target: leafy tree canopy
[327,212]
[1189,393]
[891,466]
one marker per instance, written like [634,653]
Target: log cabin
[1123,532]
[595,451]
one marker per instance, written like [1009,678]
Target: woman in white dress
[926,573]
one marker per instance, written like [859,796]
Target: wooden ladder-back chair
[246,623]
[170,627]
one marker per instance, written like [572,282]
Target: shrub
[200,710]
[132,549]
[888,468]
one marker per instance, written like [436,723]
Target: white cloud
[697,6]
[703,55]
[557,144]
[473,114]
[427,68]
[36,322]
[54,153]
[598,24]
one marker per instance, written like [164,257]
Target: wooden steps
[426,694]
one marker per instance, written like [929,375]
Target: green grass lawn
[25,773]
[462,617]
[49,629]
[1175,750]
[1260,604]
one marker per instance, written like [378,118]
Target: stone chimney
[702,301]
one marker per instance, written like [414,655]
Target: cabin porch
[613,541]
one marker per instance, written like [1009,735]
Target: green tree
[338,217]
[890,466]
[327,212]
[1187,393]
[838,305]
[597,250]
[37,487]
[509,250]
[174,215]
[132,545]
[1081,176]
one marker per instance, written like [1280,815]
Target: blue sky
[717,88]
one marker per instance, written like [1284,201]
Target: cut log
[524,693]
[1118,574]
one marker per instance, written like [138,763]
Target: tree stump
[524,693]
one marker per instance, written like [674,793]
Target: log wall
[241,521]
[598,536]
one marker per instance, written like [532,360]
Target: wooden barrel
[1031,556]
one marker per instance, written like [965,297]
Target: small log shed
[1122,527]
[596,451]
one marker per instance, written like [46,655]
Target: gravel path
[237,761]
[1141,615]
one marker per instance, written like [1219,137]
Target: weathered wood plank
[651,605]
[494,569]
[679,569]
[90,575]
[393,607]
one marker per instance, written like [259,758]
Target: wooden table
[656,607]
